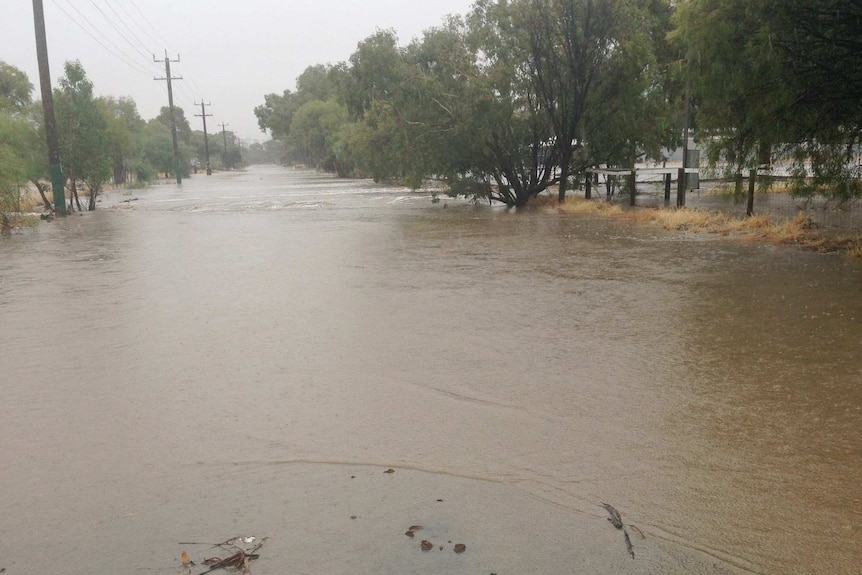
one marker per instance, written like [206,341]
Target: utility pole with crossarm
[168,77]
[204,115]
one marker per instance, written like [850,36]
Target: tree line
[102,140]
[519,96]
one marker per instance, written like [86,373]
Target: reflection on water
[162,352]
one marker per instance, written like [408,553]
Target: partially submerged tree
[85,145]
[821,47]
[22,147]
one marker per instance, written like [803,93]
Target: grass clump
[573,205]
[758,228]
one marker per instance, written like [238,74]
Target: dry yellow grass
[759,228]
[582,206]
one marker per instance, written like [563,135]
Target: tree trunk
[752,180]
[565,162]
[41,189]
[92,205]
[588,186]
[75,197]
[737,187]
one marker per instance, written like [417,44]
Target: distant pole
[168,77]
[204,115]
[54,168]
[224,137]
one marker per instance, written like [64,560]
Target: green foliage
[184,130]
[22,144]
[315,132]
[82,129]
[519,94]
[15,88]
[124,130]
[774,78]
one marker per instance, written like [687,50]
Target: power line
[144,16]
[126,25]
[136,19]
[114,26]
[117,53]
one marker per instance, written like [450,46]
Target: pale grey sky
[231,52]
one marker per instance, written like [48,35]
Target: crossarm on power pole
[168,77]
[224,139]
[204,115]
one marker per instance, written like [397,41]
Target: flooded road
[247,354]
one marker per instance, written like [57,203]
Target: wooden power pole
[168,77]
[57,181]
[204,115]
[224,138]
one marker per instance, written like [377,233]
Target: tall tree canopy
[519,95]
[85,142]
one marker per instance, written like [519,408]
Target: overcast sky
[231,53]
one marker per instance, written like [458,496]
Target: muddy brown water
[247,355]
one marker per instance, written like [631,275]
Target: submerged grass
[758,228]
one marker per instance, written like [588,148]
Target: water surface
[247,353]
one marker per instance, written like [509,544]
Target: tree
[821,48]
[184,130]
[15,88]
[157,147]
[315,132]
[124,131]
[83,133]
[322,83]
[593,65]
[732,74]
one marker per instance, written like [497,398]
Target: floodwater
[249,353]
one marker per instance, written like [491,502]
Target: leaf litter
[241,551]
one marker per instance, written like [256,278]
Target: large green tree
[594,69]
[776,78]
[85,143]
[124,132]
[15,90]
[821,48]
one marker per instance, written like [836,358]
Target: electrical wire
[185,95]
[144,17]
[120,32]
[116,52]
[121,20]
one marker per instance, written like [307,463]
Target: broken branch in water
[629,547]
[239,558]
[615,517]
[617,521]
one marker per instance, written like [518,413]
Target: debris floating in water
[242,551]
[615,517]
[629,547]
[617,521]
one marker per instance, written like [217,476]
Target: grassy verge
[760,228]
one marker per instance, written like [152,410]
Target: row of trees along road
[102,139]
[521,95]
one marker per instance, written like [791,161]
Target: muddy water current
[248,353]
